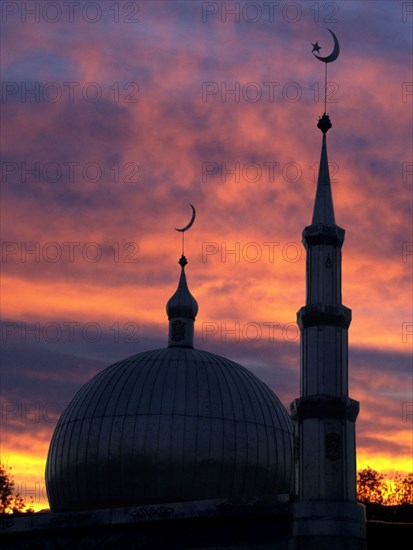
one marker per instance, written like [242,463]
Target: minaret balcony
[323,234]
[325,407]
[324,314]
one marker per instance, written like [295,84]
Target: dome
[174,424]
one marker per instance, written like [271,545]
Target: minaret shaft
[324,275]
[324,320]
[324,361]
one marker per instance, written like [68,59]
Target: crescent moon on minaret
[191,221]
[334,54]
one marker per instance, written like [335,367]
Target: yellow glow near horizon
[386,465]
[28,473]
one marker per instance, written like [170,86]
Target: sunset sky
[117,115]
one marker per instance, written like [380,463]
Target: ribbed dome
[175,424]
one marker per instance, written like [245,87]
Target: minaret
[326,513]
[181,310]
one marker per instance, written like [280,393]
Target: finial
[182,261]
[328,59]
[324,123]
[191,221]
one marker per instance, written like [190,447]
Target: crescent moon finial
[334,54]
[325,122]
[183,260]
[191,221]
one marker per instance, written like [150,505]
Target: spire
[181,310]
[323,205]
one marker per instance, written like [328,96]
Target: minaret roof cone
[181,310]
[323,205]
[182,303]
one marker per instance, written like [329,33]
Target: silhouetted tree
[401,490]
[373,489]
[10,501]
[371,486]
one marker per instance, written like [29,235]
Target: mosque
[179,448]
